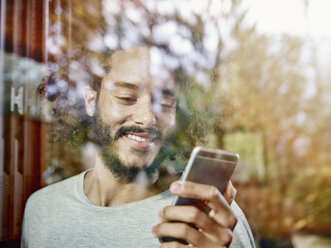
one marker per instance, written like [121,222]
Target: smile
[138,138]
[141,140]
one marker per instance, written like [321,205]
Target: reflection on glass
[264,97]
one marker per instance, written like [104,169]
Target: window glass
[245,76]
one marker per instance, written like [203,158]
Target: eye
[163,107]
[167,106]
[127,100]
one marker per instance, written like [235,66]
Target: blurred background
[254,77]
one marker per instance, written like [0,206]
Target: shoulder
[48,201]
[242,234]
[52,192]
[237,210]
[44,208]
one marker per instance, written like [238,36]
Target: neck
[104,189]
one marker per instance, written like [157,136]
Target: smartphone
[206,166]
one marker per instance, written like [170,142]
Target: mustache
[135,129]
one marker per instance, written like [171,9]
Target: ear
[90,98]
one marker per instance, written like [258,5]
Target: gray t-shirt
[61,215]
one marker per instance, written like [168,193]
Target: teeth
[137,138]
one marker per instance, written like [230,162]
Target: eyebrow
[126,85]
[122,84]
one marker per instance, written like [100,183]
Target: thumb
[230,193]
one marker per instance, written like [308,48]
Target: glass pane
[120,92]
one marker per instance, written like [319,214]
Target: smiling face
[138,108]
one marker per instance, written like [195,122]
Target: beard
[100,134]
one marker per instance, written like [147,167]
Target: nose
[144,115]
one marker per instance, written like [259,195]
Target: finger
[230,193]
[189,214]
[172,244]
[180,231]
[220,209]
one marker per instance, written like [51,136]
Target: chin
[138,159]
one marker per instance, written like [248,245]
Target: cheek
[111,112]
[168,124]
[116,115]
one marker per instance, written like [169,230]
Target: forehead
[137,67]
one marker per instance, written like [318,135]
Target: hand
[230,193]
[213,229]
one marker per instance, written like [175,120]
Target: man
[120,203]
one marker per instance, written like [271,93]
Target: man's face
[138,108]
